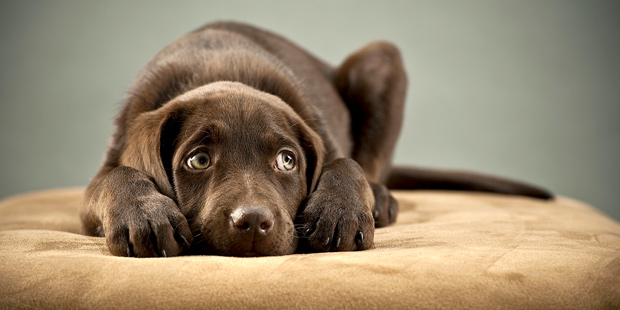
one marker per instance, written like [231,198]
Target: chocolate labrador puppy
[234,141]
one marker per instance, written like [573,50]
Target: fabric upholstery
[447,250]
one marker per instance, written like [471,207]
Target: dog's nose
[254,222]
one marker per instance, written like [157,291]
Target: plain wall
[523,89]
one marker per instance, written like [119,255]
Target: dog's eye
[199,160]
[285,161]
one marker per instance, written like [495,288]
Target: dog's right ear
[150,144]
[314,150]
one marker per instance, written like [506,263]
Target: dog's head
[239,163]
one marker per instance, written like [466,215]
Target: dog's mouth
[250,254]
[203,249]
[240,247]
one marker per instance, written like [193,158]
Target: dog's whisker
[192,220]
[199,241]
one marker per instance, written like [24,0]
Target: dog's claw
[338,242]
[327,241]
[185,243]
[360,236]
[163,252]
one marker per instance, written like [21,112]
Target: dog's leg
[372,82]
[124,205]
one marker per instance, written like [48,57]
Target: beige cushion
[447,250]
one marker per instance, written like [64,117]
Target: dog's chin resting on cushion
[233,141]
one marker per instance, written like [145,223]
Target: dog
[234,141]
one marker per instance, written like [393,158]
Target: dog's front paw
[336,223]
[338,214]
[148,226]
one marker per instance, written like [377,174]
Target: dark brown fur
[245,97]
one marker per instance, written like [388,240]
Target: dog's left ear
[314,150]
[149,146]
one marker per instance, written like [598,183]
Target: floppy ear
[314,150]
[149,147]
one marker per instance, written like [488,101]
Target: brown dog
[234,141]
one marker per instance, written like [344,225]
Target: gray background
[524,89]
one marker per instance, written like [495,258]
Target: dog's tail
[418,178]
